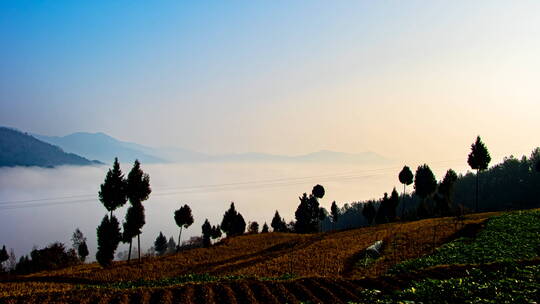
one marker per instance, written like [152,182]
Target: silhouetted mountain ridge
[21,149]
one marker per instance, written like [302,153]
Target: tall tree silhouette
[444,191]
[425,185]
[108,237]
[369,212]
[307,213]
[478,160]
[160,244]
[207,233]
[334,211]
[183,218]
[4,256]
[138,190]
[406,178]
[233,222]
[264,228]
[112,192]
[253,228]
[82,250]
[278,224]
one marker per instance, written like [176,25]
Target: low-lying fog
[39,206]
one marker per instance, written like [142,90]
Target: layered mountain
[105,148]
[21,149]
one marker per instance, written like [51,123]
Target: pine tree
[335,214]
[444,193]
[406,178]
[183,218]
[478,160]
[425,185]
[160,244]
[382,213]
[108,234]
[132,225]
[253,228]
[3,256]
[307,213]
[207,233]
[369,212]
[264,228]
[171,245]
[113,190]
[138,190]
[82,250]
[216,232]
[278,224]
[233,222]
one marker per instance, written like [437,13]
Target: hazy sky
[407,79]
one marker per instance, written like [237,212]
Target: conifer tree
[307,213]
[138,190]
[425,185]
[478,160]
[3,256]
[335,214]
[264,228]
[171,245]
[82,250]
[253,228]
[278,224]
[183,218]
[108,234]
[216,232]
[406,178]
[233,222]
[160,244]
[112,192]
[207,233]
[369,212]
[444,191]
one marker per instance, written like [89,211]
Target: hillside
[21,149]
[325,267]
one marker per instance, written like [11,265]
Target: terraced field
[318,268]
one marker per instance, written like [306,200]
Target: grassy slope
[329,255]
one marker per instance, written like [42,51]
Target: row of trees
[114,193]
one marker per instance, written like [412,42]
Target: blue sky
[276,76]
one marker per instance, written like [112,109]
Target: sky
[406,79]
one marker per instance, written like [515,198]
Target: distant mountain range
[20,149]
[23,149]
[104,148]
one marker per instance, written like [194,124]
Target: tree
[478,160]
[132,225]
[425,185]
[233,222]
[253,228]
[307,213]
[369,212]
[264,228]
[207,233]
[171,245]
[138,190]
[393,202]
[323,214]
[77,239]
[444,191]
[112,192]
[406,178]
[4,256]
[381,216]
[183,218]
[278,224]
[108,234]
[216,232]
[335,214]
[318,191]
[160,244]
[82,250]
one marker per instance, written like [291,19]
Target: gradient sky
[406,79]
